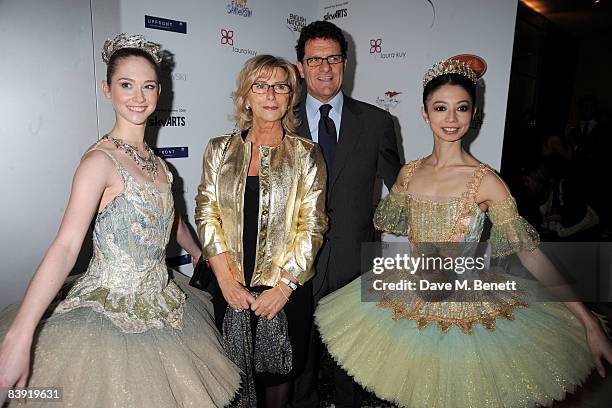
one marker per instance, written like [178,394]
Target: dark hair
[123,53]
[320,29]
[449,79]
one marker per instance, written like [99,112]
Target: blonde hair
[254,69]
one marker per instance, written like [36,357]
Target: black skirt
[299,310]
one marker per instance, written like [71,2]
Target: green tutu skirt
[532,360]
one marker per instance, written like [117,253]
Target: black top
[250,228]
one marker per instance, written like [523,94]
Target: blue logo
[172,152]
[158,23]
[239,8]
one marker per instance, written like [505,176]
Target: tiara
[450,66]
[130,41]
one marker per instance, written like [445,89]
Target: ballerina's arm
[95,174]
[493,190]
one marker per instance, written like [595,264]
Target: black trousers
[347,393]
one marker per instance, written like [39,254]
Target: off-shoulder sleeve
[392,213]
[510,233]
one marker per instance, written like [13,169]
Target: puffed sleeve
[510,233]
[312,219]
[392,213]
[207,215]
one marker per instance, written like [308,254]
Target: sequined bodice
[127,278]
[433,220]
[458,219]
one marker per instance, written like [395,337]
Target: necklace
[148,165]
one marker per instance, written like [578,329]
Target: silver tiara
[131,41]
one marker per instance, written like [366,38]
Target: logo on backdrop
[228,39]
[335,11]
[168,118]
[376,46]
[239,8]
[172,152]
[389,100]
[295,22]
[378,50]
[159,23]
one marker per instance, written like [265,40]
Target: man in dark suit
[359,144]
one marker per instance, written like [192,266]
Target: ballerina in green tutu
[500,348]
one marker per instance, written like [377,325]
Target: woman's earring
[248,107]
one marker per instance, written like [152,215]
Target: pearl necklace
[148,165]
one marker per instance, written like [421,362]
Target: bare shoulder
[492,188]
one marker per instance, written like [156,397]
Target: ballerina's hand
[600,347]
[14,365]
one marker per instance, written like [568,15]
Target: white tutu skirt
[97,365]
[532,360]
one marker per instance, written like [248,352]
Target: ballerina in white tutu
[498,349]
[126,335]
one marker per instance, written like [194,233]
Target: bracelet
[282,291]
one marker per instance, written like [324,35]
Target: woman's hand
[14,364]
[270,302]
[600,347]
[236,295]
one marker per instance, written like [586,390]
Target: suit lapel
[304,129]
[350,132]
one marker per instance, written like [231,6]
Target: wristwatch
[289,283]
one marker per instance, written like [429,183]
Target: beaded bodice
[127,278]
[455,219]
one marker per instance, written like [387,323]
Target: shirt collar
[313,105]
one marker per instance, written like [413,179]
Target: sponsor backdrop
[392,42]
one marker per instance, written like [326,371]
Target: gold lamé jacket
[292,220]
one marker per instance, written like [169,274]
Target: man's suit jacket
[367,149]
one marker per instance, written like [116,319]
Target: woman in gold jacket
[260,212]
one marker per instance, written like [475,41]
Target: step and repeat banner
[391,44]
[206,44]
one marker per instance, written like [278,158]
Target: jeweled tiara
[454,65]
[131,41]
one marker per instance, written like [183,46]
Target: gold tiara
[450,66]
[131,41]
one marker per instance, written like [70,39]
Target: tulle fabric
[534,359]
[98,365]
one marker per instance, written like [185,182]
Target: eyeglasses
[331,59]
[262,88]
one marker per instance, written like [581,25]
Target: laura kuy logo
[228,38]
[389,101]
[333,12]
[377,50]
[239,8]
